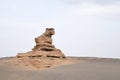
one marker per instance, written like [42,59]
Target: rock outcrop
[44,47]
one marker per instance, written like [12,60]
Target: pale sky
[83,27]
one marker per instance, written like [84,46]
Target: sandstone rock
[44,47]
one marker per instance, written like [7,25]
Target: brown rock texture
[44,47]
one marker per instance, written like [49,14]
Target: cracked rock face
[44,42]
[44,47]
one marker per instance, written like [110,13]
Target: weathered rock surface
[44,47]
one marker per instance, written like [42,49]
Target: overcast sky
[83,27]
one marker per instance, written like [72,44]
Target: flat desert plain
[85,68]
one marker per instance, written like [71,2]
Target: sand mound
[35,63]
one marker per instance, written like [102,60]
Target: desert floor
[83,69]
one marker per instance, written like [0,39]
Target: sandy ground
[83,69]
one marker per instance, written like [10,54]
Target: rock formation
[44,47]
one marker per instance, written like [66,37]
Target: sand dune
[83,69]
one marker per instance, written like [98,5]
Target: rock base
[44,54]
